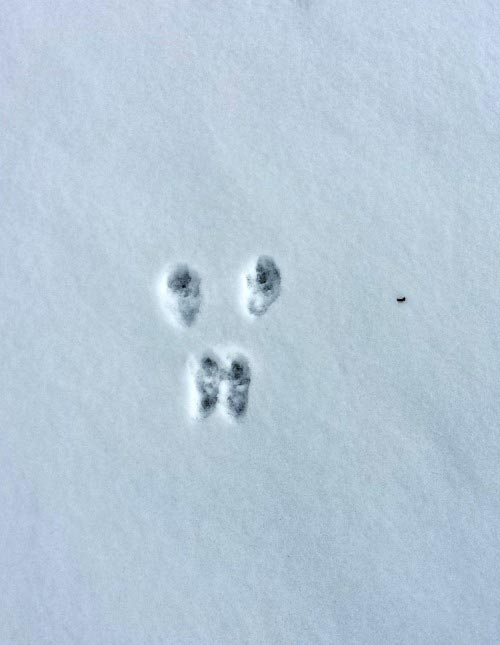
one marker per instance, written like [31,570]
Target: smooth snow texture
[358,144]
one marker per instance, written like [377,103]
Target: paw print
[217,382]
[263,285]
[180,294]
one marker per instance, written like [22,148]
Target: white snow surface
[358,144]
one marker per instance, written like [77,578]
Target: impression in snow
[180,294]
[235,386]
[205,386]
[213,386]
[263,285]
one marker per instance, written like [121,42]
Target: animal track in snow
[180,294]
[212,386]
[235,386]
[215,382]
[205,386]
[262,285]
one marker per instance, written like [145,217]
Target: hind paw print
[263,285]
[179,290]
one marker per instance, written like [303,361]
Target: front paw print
[235,386]
[217,382]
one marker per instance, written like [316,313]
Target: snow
[355,143]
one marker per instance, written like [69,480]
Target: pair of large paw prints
[181,293]
[217,382]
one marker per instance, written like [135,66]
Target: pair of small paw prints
[215,382]
[220,383]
